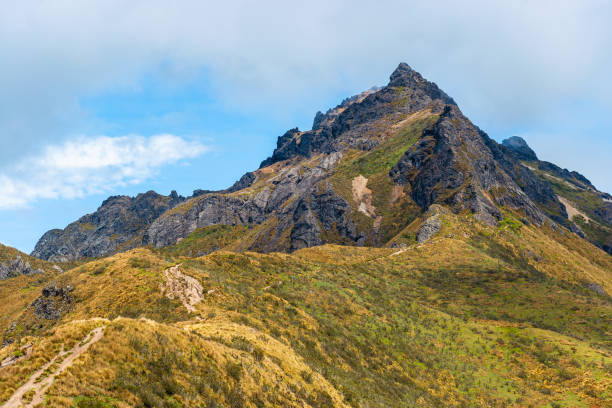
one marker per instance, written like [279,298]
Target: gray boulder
[16,267]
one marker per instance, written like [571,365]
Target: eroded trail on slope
[40,387]
[183,287]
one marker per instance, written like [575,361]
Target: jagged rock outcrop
[454,164]
[519,148]
[290,200]
[545,182]
[15,267]
[53,302]
[353,124]
[430,227]
[116,225]
[298,197]
[571,176]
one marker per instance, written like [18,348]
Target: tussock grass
[477,316]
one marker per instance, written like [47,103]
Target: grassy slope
[478,316]
[19,291]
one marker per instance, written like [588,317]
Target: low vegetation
[477,316]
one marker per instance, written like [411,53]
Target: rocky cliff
[366,170]
[116,225]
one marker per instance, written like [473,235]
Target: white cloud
[86,166]
[507,59]
[508,63]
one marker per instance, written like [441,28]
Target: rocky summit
[410,144]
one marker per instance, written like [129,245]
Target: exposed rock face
[575,193]
[597,288]
[430,227]
[293,200]
[115,225]
[520,148]
[296,206]
[53,302]
[539,191]
[16,267]
[454,164]
[352,123]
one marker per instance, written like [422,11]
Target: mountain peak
[405,76]
[519,146]
[402,73]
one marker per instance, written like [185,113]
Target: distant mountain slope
[586,211]
[115,226]
[366,170]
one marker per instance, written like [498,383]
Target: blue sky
[110,98]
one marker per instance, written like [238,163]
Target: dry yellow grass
[478,315]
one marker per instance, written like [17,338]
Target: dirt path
[10,360]
[183,287]
[40,387]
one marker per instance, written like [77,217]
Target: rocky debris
[432,224]
[430,227]
[179,286]
[597,288]
[53,302]
[363,196]
[520,148]
[572,211]
[114,226]
[16,267]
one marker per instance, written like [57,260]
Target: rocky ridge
[114,226]
[409,136]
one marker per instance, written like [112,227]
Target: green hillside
[511,315]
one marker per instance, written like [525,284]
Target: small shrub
[258,354]
[98,270]
[93,402]
[234,370]
[307,376]
[139,263]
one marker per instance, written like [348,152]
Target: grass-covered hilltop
[392,256]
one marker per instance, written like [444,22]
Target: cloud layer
[510,60]
[512,65]
[88,166]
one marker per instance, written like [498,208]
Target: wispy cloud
[86,166]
